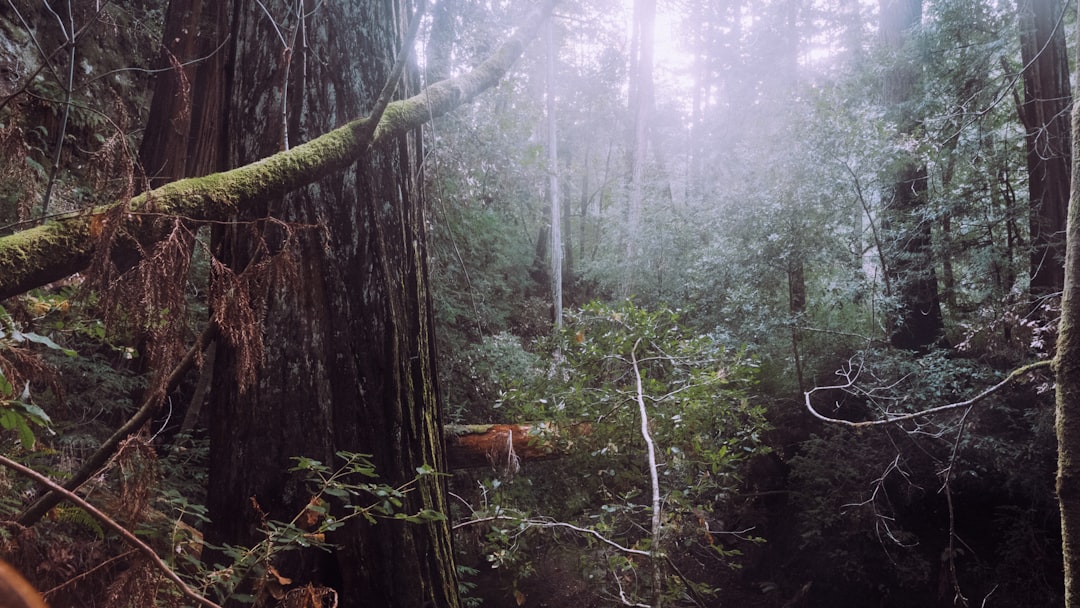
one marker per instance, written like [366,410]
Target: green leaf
[46,341]
[36,414]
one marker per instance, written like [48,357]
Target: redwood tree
[918,323]
[1045,114]
[347,359]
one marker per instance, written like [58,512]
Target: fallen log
[503,446]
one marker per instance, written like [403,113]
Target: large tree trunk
[1067,366]
[918,323]
[1045,114]
[348,361]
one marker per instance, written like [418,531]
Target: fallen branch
[65,245]
[128,537]
[479,445]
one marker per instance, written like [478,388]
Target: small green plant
[17,412]
[338,494]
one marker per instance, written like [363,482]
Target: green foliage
[17,412]
[475,375]
[700,414]
[335,492]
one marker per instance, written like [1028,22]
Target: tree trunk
[348,359]
[554,201]
[184,130]
[1045,114]
[1067,366]
[641,105]
[918,322]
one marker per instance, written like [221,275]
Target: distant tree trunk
[641,103]
[348,357]
[796,275]
[1045,114]
[918,323]
[553,179]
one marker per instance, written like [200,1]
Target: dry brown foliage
[135,468]
[238,299]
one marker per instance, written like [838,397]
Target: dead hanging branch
[66,244]
[851,376]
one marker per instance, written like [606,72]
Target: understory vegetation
[773,263]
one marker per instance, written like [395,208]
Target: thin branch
[543,523]
[895,418]
[108,521]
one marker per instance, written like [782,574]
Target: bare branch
[544,523]
[891,418]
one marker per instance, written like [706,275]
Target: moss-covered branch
[63,246]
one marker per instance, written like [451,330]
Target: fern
[82,519]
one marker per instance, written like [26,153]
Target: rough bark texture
[184,130]
[1045,114]
[1067,365]
[349,361]
[918,322]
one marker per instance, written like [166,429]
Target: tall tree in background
[918,321]
[553,193]
[1045,113]
[641,104]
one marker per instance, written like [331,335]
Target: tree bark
[1045,115]
[1067,367]
[918,322]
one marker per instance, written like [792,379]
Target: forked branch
[851,378]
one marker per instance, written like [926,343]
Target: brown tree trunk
[1067,367]
[1045,114]
[183,135]
[348,359]
[918,322]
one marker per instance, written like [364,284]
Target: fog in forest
[522,303]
